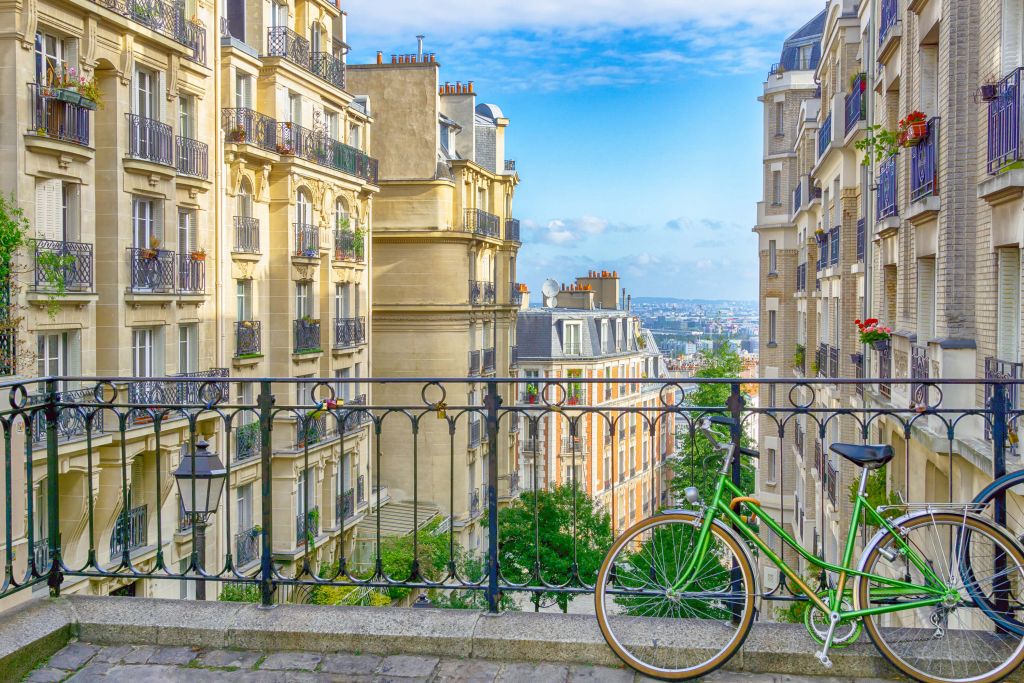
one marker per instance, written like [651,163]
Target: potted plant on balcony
[236,134]
[151,252]
[358,243]
[913,129]
[198,254]
[988,92]
[799,356]
[871,332]
[75,88]
[863,81]
[531,393]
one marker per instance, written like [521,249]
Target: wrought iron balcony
[573,445]
[307,240]
[353,416]
[131,532]
[1005,371]
[198,393]
[510,164]
[861,240]
[512,230]
[513,357]
[307,335]
[885,372]
[167,18]
[474,364]
[924,168]
[833,250]
[798,192]
[349,246]
[831,481]
[488,360]
[889,17]
[247,235]
[515,294]
[476,292]
[284,42]
[291,139]
[248,441]
[855,102]
[150,140]
[801,277]
[247,546]
[191,274]
[349,332]
[247,126]
[329,68]
[345,505]
[350,160]
[361,489]
[1004,119]
[66,265]
[474,503]
[248,338]
[919,369]
[825,136]
[819,459]
[152,270]
[887,201]
[55,118]
[821,360]
[833,361]
[307,525]
[480,222]
[311,429]
[193,157]
[71,424]
[41,555]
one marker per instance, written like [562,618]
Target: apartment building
[445,298]
[208,205]
[588,331]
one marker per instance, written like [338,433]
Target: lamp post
[200,477]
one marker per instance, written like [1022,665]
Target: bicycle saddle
[871,457]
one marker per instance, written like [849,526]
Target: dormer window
[572,334]
[445,137]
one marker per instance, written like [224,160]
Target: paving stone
[294,661]
[353,665]
[91,673]
[73,656]
[467,671]
[242,659]
[406,666]
[533,673]
[173,655]
[140,654]
[600,674]
[47,675]
[385,678]
[159,673]
[113,654]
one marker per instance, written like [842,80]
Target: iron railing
[833,361]
[834,242]
[855,102]
[345,505]
[284,42]
[887,202]
[131,532]
[152,270]
[515,294]
[69,268]
[890,15]
[329,68]
[200,392]
[924,164]
[801,277]
[1004,124]
[167,18]
[56,118]
[349,332]
[191,274]
[349,246]
[1004,371]
[248,338]
[193,157]
[307,240]
[821,360]
[307,336]
[831,480]
[919,370]
[247,235]
[798,192]
[510,164]
[474,364]
[825,136]
[488,362]
[247,126]
[247,546]
[248,441]
[885,372]
[861,240]
[512,229]
[481,222]
[150,140]
[307,525]
[71,424]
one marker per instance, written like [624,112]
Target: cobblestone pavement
[82,662]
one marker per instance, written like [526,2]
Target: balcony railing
[889,16]
[833,250]
[833,361]
[307,335]
[307,240]
[131,532]
[831,481]
[345,505]
[248,126]
[191,274]
[819,459]
[1004,124]
[510,164]
[573,445]
[861,240]
[66,265]
[350,160]
[474,364]
[512,230]
[348,246]
[1006,371]
[858,369]
[513,357]
[887,202]
[798,192]
[248,441]
[361,489]
[488,357]
[349,332]
[247,547]
[152,270]
[855,102]
[328,67]
[248,338]
[885,372]
[821,360]
[474,503]
[200,392]
[57,119]
[825,136]
[919,370]
[193,157]
[284,42]
[307,525]
[150,140]
[515,294]
[164,17]
[924,164]
[801,277]
[41,555]
[247,235]
[312,429]
[481,222]
[71,424]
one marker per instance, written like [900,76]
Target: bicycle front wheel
[953,641]
[664,622]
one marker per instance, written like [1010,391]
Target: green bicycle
[675,596]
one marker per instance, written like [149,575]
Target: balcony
[312,429]
[833,250]
[821,360]
[150,140]
[1004,119]
[41,555]
[131,532]
[286,43]
[797,196]
[248,338]
[72,424]
[191,274]
[513,357]
[199,393]
[247,235]
[474,503]
[573,446]
[481,293]
[801,277]
[861,240]
[919,369]
[858,369]
[307,526]
[480,222]
[193,157]
[307,240]
[361,489]
[889,17]
[306,336]
[62,265]
[885,372]
[1004,371]
[924,168]
[247,546]
[819,459]
[54,118]
[831,481]
[855,102]
[244,126]
[825,136]
[488,365]
[152,270]
[345,505]
[510,165]
[248,441]
[349,332]
[474,364]
[167,18]
[329,68]
[887,201]
[515,294]
[295,140]
[349,246]
[833,362]
[352,161]
[512,230]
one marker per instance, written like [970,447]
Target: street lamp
[200,477]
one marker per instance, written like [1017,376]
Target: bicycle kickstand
[822,655]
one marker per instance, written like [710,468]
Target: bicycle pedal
[823,658]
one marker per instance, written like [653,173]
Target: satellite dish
[550,290]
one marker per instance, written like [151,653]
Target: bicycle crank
[818,622]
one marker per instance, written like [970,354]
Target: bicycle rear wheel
[1009,490]
[663,629]
[953,641]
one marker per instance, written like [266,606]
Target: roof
[491,112]
[396,519]
[808,34]
[539,333]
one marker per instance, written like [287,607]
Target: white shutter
[1008,304]
[925,300]
[48,210]
[1011,35]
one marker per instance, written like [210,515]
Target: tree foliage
[565,551]
[239,592]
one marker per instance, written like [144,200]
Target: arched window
[244,200]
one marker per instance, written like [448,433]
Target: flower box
[988,92]
[148,254]
[880,345]
[68,95]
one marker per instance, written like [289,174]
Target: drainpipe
[870,73]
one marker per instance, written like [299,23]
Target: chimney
[470,90]
[419,47]
[380,57]
[394,59]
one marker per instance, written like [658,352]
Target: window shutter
[48,210]
[925,300]
[1008,317]
[157,207]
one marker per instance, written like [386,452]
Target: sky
[635,125]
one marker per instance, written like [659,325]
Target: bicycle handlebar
[705,427]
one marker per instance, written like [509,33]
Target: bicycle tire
[984,500]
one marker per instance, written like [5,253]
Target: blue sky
[635,125]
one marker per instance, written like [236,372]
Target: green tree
[518,551]
[239,592]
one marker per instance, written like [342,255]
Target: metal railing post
[999,435]
[492,402]
[52,493]
[265,403]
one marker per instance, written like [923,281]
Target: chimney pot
[471,86]
[380,57]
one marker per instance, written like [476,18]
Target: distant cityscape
[685,327]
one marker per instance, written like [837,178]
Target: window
[243,90]
[776,188]
[243,201]
[295,108]
[804,57]
[188,348]
[605,333]
[187,116]
[343,301]
[306,491]
[303,300]
[303,209]
[780,118]
[770,466]
[53,55]
[355,136]
[341,219]
[925,300]
[619,338]
[187,240]
[243,300]
[773,259]
[147,93]
[343,390]
[331,119]
[243,509]
[56,210]
[279,15]
[1012,31]
[1008,305]
[771,326]
[314,38]
[445,138]
[143,352]
[572,343]
[146,231]
[57,354]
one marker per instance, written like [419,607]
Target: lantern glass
[200,477]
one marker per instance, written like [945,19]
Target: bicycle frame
[895,588]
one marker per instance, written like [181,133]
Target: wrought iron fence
[69,267]
[515,293]
[150,140]
[481,222]
[248,441]
[345,505]
[248,338]
[825,136]
[1004,118]
[307,336]
[284,42]
[924,164]
[167,18]
[855,102]
[55,118]
[887,203]
[131,532]
[861,240]
[329,68]
[193,157]
[349,246]
[890,15]
[307,525]
[152,270]
[307,240]
[349,332]
[247,126]
[191,273]
[247,234]
[834,242]
[512,229]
